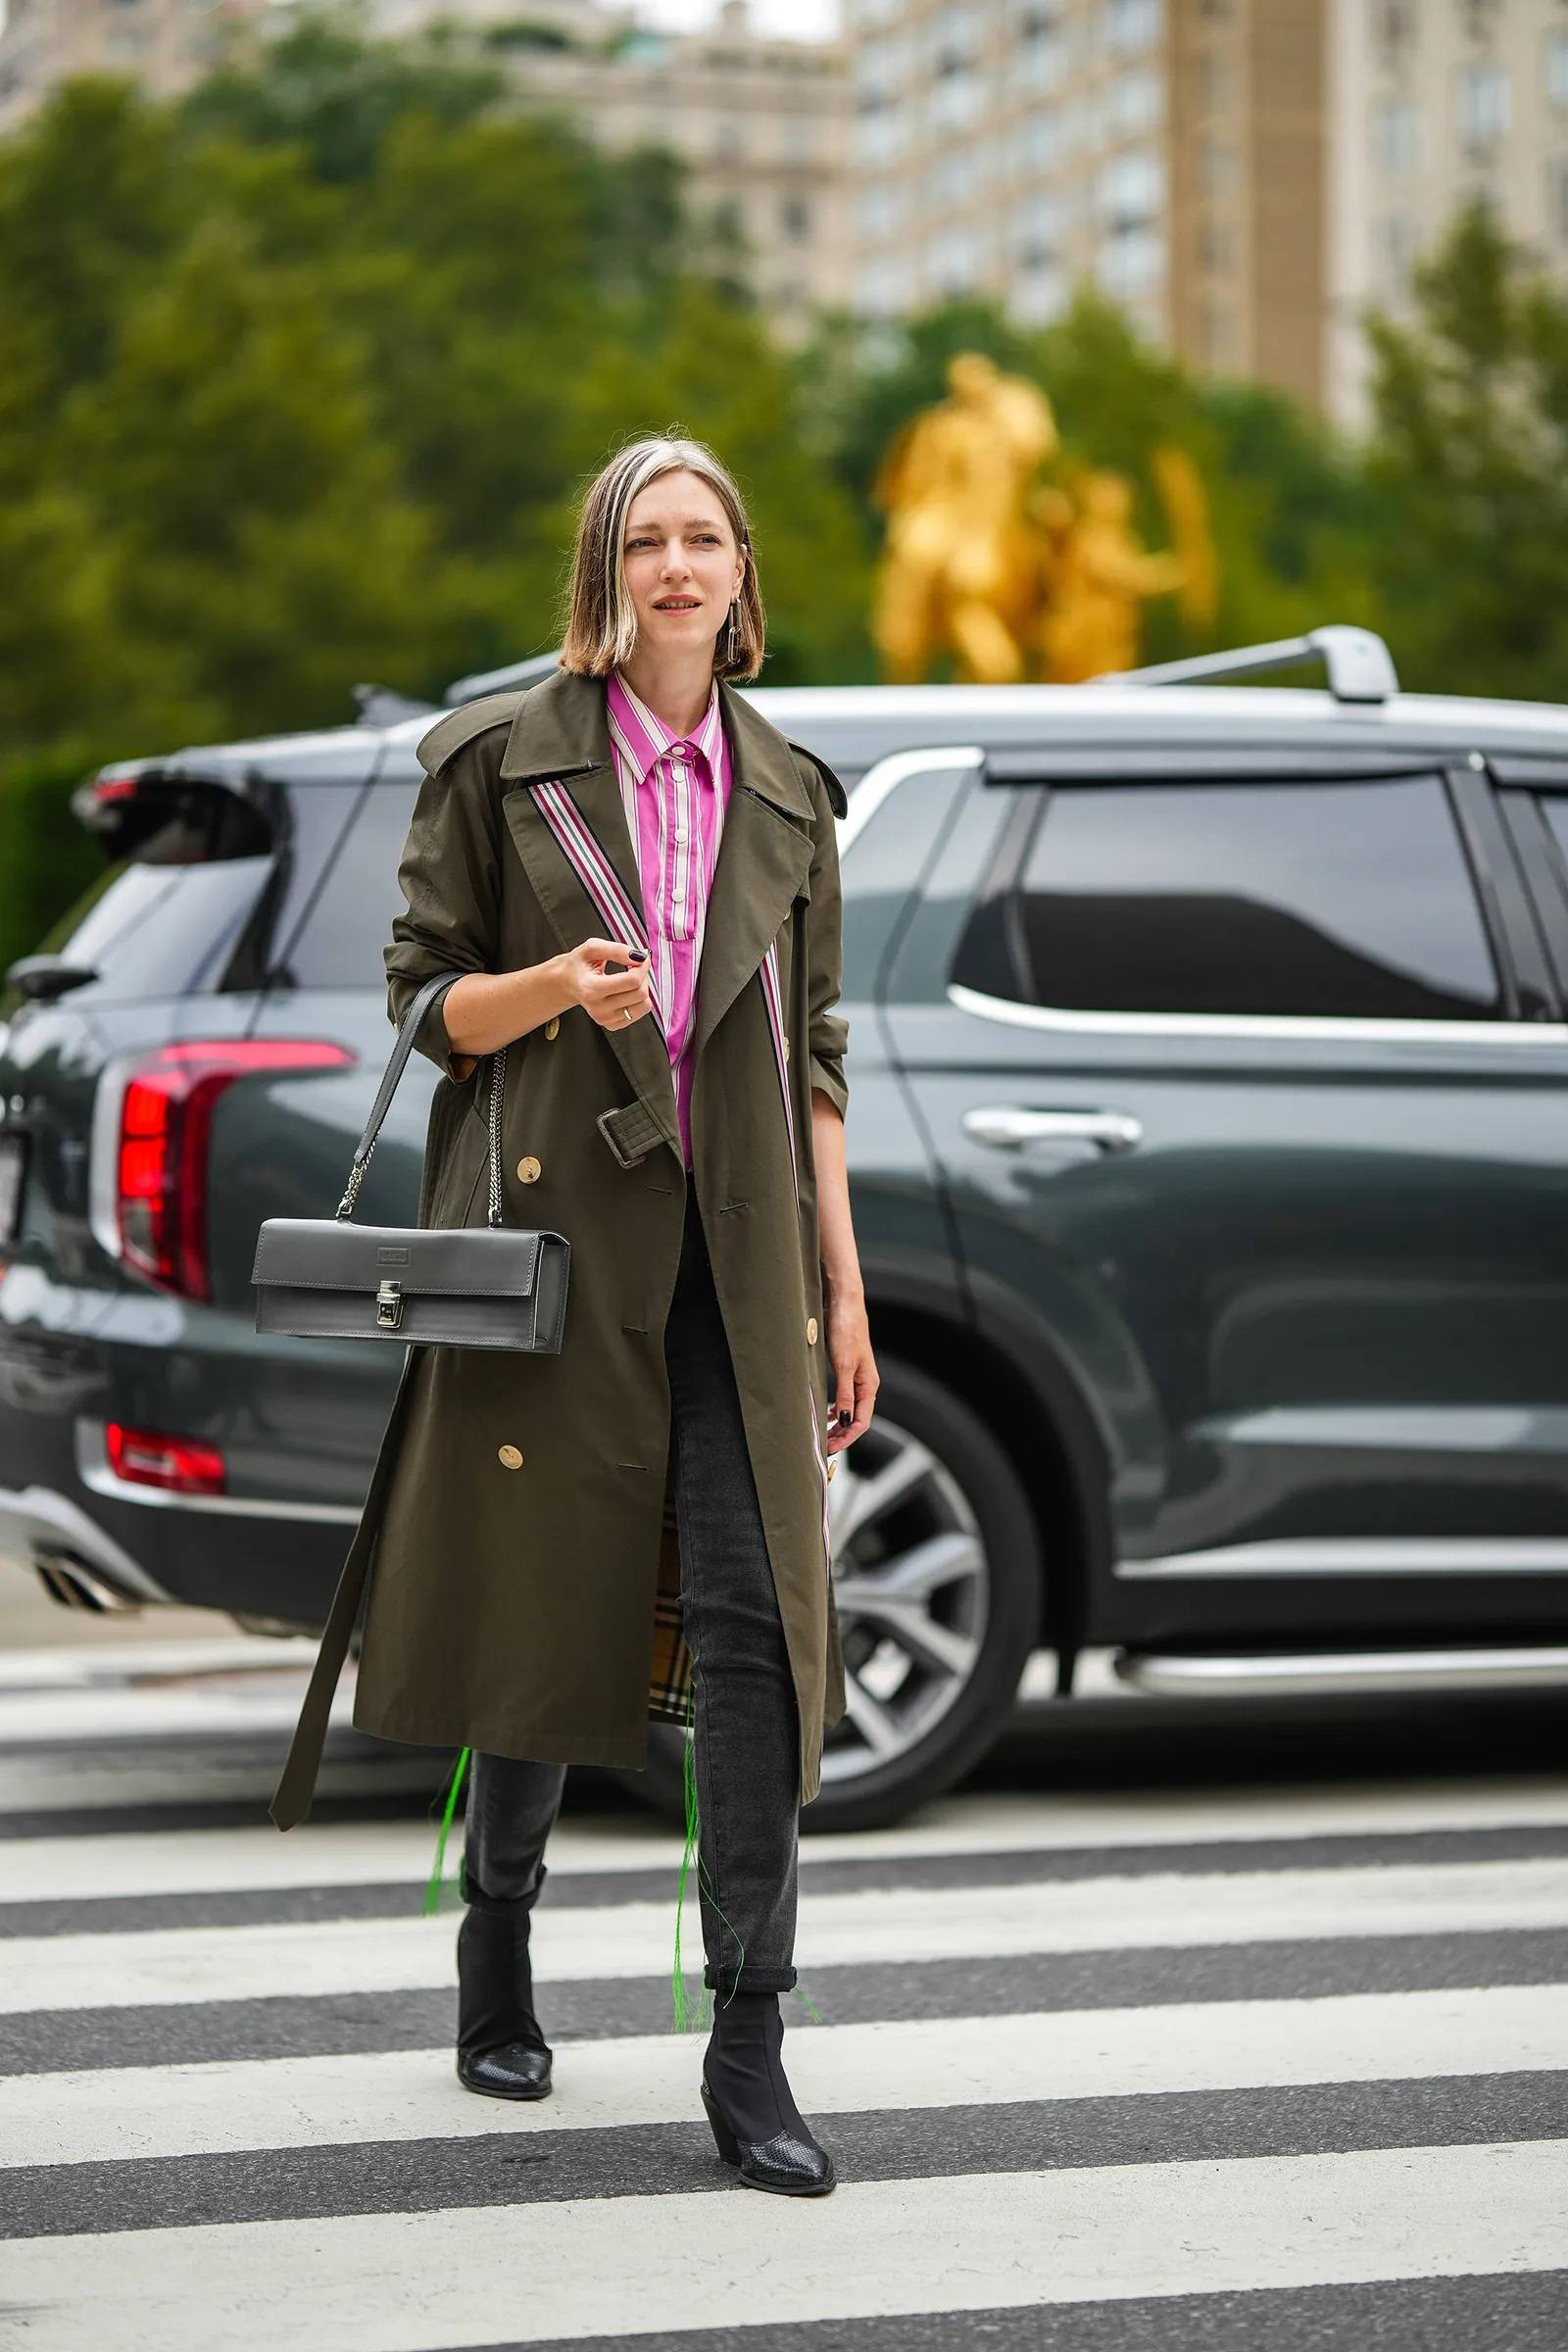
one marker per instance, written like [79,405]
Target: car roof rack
[1360,667]
[497,681]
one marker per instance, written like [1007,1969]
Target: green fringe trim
[432,1893]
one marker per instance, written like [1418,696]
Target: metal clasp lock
[389,1306]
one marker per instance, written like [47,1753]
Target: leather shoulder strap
[437,745]
[837,796]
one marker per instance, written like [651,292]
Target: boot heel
[729,2147]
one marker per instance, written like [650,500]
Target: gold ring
[625,1012]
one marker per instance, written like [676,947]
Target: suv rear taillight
[147,1457]
[152,1209]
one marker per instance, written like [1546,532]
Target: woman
[559,1547]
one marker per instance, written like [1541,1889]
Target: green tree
[1469,456]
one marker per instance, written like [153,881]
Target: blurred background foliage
[300,381]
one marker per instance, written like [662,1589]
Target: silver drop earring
[729,634]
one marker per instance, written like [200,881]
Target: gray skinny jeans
[746,1723]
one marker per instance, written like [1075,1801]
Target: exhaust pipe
[75,1587]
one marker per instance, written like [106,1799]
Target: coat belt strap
[631,1131]
[291,1800]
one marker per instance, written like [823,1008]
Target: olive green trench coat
[519,1511]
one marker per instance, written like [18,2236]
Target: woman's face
[681,560]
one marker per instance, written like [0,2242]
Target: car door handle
[1008,1126]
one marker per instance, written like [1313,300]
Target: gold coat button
[553,1025]
[811,1328]
[512,1457]
[786,1049]
[529,1169]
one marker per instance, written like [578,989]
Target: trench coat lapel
[562,734]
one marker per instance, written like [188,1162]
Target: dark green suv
[1208,1055]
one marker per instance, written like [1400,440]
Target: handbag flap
[461,1260]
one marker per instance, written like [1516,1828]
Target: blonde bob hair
[601,622]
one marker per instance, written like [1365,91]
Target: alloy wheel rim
[911,1583]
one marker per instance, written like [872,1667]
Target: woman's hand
[856,1379]
[595,971]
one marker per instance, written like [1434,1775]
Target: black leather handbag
[482,1286]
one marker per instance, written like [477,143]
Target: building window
[885,287]
[1396,238]
[1216,243]
[955,40]
[1216,168]
[1128,25]
[1213,84]
[880,136]
[1040,141]
[1558,195]
[1132,260]
[1396,135]
[952,180]
[953,103]
[1035,227]
[1481,105]
[794,218]
[1557,68]
[1395,30]
[1039,292]
[953,261]
[876,211]
[1129,190]
[1130,104]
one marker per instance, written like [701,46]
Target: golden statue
[961,555]
[1014,575]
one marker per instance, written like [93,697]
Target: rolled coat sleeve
[828,1036]
[450,875]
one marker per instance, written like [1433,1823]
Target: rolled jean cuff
[749,1979]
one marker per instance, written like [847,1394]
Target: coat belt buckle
[631,1160]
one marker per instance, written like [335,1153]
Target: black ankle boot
[756,2121]
[501,2051]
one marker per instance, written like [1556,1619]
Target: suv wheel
[937,1579]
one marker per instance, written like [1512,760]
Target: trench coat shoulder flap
[559,733]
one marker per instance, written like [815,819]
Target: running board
[1167,1677]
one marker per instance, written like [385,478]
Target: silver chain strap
[497,1067]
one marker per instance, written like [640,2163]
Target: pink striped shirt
[675,790]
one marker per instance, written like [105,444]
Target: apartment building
[1168,150]
[1243,176]
[1432,101]
[760,123]
[164,44]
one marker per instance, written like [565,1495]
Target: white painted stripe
[57,1666]
[624,2266]
[226,1708]
[296,2103]
[54,1782]
[176,1861]
[162,1966]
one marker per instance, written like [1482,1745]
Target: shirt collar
[642,737]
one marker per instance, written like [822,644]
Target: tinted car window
[1554,808]
[1329,899]
[348,920]
[161,930]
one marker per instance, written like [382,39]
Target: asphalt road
[1203,2024]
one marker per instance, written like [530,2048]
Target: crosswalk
[1234,2067]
